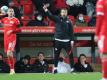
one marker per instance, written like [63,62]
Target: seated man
[23,66]
[39,21]
[41,65]
[80,20]
[4,67]
[82,65]
[92,21]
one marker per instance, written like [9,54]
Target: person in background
[82,65]
[39,21]
[80,20]
[27,67]
[63,67]
[39,5]
[19,66]
[4,67]
[92,21]
[23,65]
[41,65]
[64,35]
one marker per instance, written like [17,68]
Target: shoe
[12,72]
[55,71]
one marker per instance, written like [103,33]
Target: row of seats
[25,19]
[28,9]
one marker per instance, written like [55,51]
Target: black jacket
[64,27]
[39,67]
[36,23]
[20,67]
[80,68]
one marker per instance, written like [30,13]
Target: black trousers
[58,46]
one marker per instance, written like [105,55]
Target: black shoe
[55,71]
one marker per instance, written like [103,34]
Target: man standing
[101,34]
[64,36]
[10,24]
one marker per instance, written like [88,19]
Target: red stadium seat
[28,9]
[51,23]
[60,4]
[86,18]
[72,18]
[25,20]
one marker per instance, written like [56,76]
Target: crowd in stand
[38,17]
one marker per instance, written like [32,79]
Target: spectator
[82,65]
[27,66]
[63,67]
[80,20]
[19,66]
[39,21]
[23,66]
[39,5]
[76,7]
[92,21]
[41,65]
[90,7]
[4,67]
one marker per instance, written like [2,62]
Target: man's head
[39,17]
[82,58]
[11,12]
[11,4]
[41,56]
[81,17]
[64,12]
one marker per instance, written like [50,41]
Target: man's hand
[45,7]
[96,38]
[9,32]
[72,44]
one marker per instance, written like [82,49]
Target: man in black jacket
[64,37]
[41,64]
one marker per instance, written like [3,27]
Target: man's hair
[41,53]
[80,57]
[27,57]
[64,9]
[61,59]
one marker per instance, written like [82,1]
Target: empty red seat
[51,23]
[25,20]
[72,18]
[60,4]
[28,9]
[86,18]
